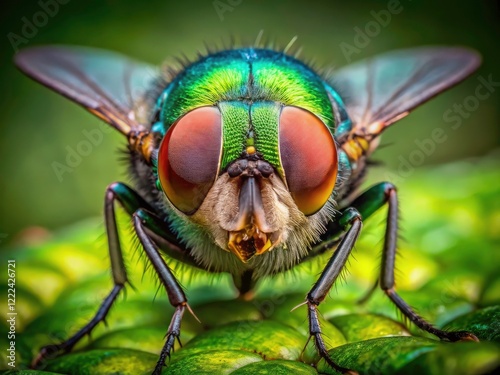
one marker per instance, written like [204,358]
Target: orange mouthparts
[248,242]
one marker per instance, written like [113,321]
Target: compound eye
[309,158]
[189,158]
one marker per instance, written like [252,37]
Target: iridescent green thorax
[249,86]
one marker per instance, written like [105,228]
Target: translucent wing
[106,83]
[381,90]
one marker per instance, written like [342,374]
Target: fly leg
[131,202]
[367,203]
[350,219]
[360,209]
[176,296]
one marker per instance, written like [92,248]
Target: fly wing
[106,83]
[383,89]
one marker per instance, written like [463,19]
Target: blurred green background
[38,125]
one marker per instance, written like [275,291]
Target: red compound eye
[309,158]
[189,158]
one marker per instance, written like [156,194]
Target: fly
[248,162]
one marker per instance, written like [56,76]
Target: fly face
[253,164]
[243,160]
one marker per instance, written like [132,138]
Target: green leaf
[463,358]
[271,340]
[217,361]
[101,362]
[378,356]
[360,327]
[485,323]
[277,367]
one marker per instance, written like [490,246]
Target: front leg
[350,218]
[137,207]
[360,209]
[176,296]
[130,201]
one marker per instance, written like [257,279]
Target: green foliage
[448,270]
